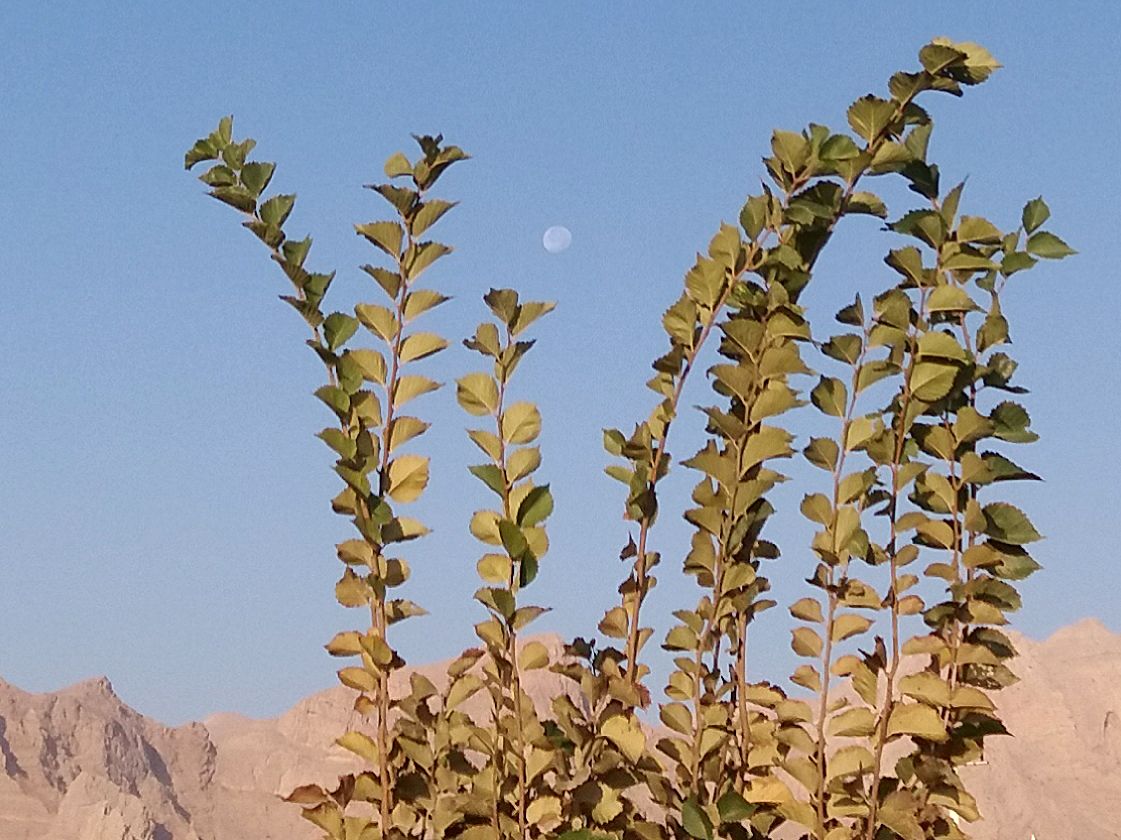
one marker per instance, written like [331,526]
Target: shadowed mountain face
[78,764]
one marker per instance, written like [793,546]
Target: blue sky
[165,515]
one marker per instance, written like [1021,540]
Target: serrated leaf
[477,393]
[535,507]
[421,346]
[522,462]
[404,429]
[857,722]
[916,720]
[626,734]
[695,821]
[370,363]
[398,165]
[533,656]
[420,301]
[411,386]
[379,320]
[830,396]
[521,423]
[491,476]
[429,213]
[1048,246]
[931,381]
[950,298]
[870,116]
[1036,212]
[1008,524]
[385,235]
[426,253]
[408,476]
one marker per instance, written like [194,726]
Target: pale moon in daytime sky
[556,239]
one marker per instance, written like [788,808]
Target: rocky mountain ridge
[79,764]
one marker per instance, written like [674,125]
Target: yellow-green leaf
[408,476]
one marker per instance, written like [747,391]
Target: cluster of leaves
[893,696]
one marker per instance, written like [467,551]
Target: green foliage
[914,556]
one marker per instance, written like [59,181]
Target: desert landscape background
[79,764]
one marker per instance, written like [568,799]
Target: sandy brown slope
[80,765]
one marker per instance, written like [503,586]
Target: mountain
[79,764]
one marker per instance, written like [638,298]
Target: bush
[918,386]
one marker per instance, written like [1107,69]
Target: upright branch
[366,391]
[518,748]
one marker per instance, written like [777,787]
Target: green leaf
[843,348]
[425,254]
[839,147]
[1048,246]
[335,398]
[256,176]
[338,328]
[869,116]
[491,476]
[1003,469]
[1010,423]
[733,808]
[513,539]
[941,345]
[867,203]
[830,396]
[931,381]
[535,507]
[1036,212]
[677,717]
[950,298]
[378,320]
[823,453]
[1008,524]
[275,211]
[385,235]
[753,216]
[817,508]
[937,57]
[978,229]
[695,821]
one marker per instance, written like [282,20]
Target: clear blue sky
[163,509]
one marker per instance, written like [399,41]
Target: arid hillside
[79,764]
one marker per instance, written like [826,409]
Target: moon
[556,239]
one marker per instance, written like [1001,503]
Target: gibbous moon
[556,239]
